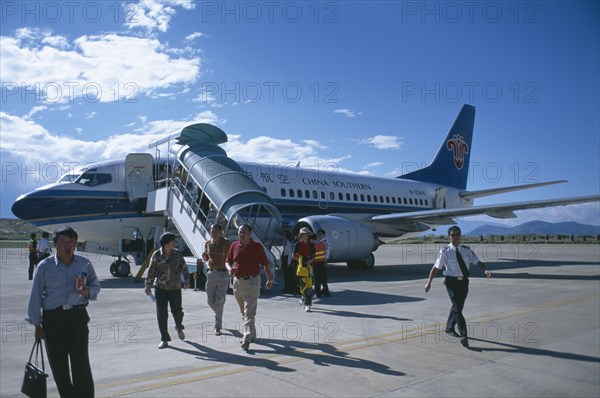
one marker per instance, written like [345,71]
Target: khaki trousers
[246,292]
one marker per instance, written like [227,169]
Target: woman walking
[168,269]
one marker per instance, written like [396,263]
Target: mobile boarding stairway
[203,186]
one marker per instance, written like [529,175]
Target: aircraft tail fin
[450,167]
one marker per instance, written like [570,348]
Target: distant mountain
[538,227]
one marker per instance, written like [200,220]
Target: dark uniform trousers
[320,270]
[289,277]
[67,338]
[458,289]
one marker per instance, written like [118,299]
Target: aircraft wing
[445,216]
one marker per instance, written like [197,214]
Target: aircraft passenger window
[405,202]
[291,193]
[393,199]
[299,193]
[307,194]
[331,196]
[340,196]
[421,202]
[426,202]
[410,201]
[381,199]
[362,197]
[283,192]
[348,197]
[322,194]
[355,197]
[368,198]
[375,198]
[315,195]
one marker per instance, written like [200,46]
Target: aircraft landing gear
[120,268]
[368,263]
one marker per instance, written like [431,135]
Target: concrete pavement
[534,331]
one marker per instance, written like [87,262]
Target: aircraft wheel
[122,269]
[369,262]
[113,268]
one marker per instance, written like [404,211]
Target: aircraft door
[138,175]
[440,198]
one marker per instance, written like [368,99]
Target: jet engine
[349,241]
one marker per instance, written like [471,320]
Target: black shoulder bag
[34,382]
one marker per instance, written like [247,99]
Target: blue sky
[371,87]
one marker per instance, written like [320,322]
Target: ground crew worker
[320,264]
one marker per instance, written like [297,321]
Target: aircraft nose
[21,208]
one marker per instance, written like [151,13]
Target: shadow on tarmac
[516,349]
[328,356]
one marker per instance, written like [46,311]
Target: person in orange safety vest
[320,264]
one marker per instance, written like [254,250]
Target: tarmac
[534,331]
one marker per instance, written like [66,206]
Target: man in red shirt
[243,262]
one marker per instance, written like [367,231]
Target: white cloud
[153,15]
[205,97]
[383,142]
[29,141]
[35,110]
[281,152]
[373,165]
[104,67]
[314,144]
[347,112]
[57,41]
[192,37]
[26,140]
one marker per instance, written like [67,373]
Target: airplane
[113,204]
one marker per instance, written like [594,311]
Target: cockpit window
[94,179]
[69,178]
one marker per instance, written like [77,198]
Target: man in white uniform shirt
[456,258]
[43,247]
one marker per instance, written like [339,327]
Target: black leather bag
[34,381]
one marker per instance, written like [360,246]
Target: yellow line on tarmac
[173,378]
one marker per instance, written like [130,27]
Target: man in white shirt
[43,246]
[456,258]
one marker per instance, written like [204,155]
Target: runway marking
[173,378]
